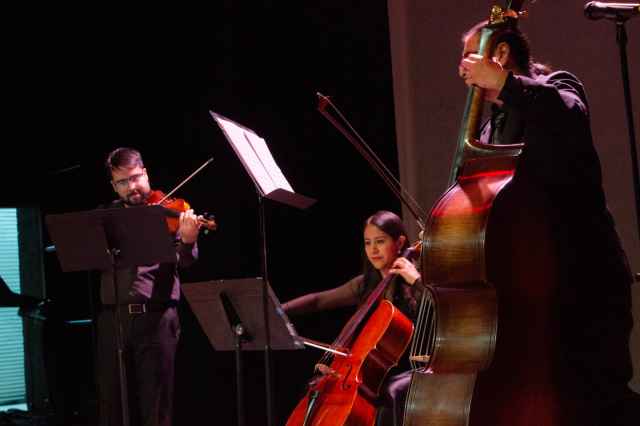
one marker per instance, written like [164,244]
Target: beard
[136,198]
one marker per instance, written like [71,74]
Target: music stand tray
[107,239]
[245,295]
[238,304]
[85,240]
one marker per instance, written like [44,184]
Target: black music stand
[238,304]
[109,239]
[270,183]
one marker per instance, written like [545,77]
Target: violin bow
[185,180]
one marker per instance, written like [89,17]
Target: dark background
[81,81]
[85,81]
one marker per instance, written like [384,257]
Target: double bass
[483,349]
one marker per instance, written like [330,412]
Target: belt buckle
[137,308]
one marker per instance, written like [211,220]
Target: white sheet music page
[255,155]
[260,147]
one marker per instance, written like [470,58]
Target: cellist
[548,112]
[384,238]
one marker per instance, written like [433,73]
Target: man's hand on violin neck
[189,227]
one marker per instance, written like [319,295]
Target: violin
[174,206]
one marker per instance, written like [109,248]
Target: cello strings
[348,332]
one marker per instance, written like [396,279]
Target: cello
[483,348]
[369,345]
[373,340]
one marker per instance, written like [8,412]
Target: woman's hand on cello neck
[406,269]
[325,370]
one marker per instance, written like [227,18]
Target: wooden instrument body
[349,396]
[490,268]
[490,255]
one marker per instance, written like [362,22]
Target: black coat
[550,115]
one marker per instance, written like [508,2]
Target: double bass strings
[423,339]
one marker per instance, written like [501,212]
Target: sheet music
[255,155]
[262,150]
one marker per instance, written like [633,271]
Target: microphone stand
[621,39]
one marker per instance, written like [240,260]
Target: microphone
[617,11]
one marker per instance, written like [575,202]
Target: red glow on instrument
[492,173]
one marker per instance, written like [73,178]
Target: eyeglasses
[124,183]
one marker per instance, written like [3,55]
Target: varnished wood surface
[377,348]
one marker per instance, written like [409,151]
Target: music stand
[270,182]
[236,303]
[109,239]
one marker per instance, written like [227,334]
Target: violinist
[148,297]
[384,239]
[548,112]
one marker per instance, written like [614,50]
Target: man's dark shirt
[157,283]
[593,306]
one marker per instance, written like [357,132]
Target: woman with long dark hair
[384,240]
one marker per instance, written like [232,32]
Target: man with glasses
[148,296]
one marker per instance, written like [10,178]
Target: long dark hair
[520,48]
[391,224]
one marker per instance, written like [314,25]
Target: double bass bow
[370,156]
[372,341]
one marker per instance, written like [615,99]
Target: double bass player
[591,306]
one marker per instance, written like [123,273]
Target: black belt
[141,308]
